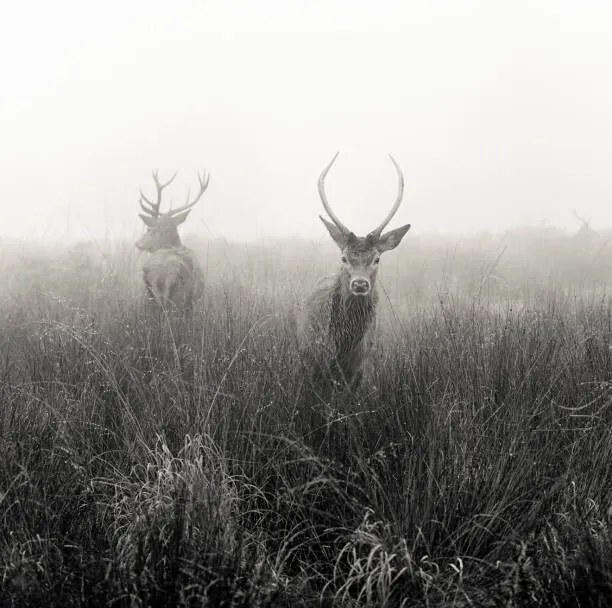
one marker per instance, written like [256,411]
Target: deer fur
[173,278]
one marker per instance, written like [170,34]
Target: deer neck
[351,316]
[174,240]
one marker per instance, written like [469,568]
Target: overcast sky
[500,113]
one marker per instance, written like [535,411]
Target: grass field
[152,462]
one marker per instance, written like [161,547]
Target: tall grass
[161,461]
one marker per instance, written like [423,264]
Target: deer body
[172,275]
[336,331]
[338,320]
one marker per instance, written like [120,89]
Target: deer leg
[149,291]
[166,291]
[157,289]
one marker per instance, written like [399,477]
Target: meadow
[147,461]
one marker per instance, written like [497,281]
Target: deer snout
[360,287]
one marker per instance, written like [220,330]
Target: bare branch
[584,221]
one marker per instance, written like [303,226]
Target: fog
[499,113]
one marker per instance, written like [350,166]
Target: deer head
[162,229]
[361,255]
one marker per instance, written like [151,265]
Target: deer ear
[181,217]
[339,237]
[391,239]
[148,220]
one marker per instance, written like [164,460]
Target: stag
[172,275]
[337,322]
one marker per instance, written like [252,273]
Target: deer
[172,275]
[336,324]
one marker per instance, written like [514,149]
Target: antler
[203,178]
[153,208]
[378,230]
[324,200]
[398,200]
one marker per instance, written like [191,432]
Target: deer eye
[344,260]
[376,260]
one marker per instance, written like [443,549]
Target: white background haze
[500,113]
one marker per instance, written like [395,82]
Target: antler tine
[149,210]
[324,200]
[398,200]
[153,208]
[203,178]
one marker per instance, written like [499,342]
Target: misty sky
[500,113]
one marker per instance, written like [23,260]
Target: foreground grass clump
[155,461]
